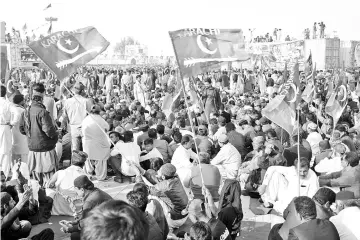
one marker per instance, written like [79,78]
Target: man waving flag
[198,49]
[63,52]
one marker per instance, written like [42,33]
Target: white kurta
[19,141]
[95,140]
[5,135]
[139,92]
[130,152]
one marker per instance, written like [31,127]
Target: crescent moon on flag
[61,47]
[345,93]
[203,48]
[295,93]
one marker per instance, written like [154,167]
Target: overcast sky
[150,20]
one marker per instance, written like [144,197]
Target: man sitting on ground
[228,160]
[349,177]
[11,227]
[115,220]
[140,200]
[172,188]
[280,184]
[209,173]
[310,227]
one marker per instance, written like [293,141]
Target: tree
[120,46]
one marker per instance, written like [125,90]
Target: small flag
[50,28]
[198,49]
[337,103]
[285,73]
[309,68]
[64,52]
[49,6]
[308,93]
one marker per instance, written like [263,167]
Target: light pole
[51,20]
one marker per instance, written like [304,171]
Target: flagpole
[298,151]
[188,112]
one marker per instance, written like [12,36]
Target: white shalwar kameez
[20,147]
[6,109]
[139,92]
[96,144]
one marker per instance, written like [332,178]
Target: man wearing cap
[228,160]
[75,109]
[61,185]
[171,187]
[92,197]
[42,137]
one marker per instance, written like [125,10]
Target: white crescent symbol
[203,48]
[67,50]
[295,91]
[345,93]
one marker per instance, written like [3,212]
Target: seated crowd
[188,182]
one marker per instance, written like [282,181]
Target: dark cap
[168,170]
[83,182]
[78,157]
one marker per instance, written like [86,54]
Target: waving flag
[197,49]
[282,109]
[64,52]
[48,6]
[309,68]
[337,103]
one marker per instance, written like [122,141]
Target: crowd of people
[189,164]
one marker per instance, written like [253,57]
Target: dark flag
[50,28]
[48,6]
[197,49]
[309,68]
[64,52]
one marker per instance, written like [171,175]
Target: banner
[5,60]
[63,52]
[27,55]
[198,49]
[277,53]
[355,54]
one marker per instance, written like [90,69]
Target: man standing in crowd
[5,132]
[75,110]
[42,135]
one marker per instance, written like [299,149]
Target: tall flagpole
[298,151]
[188,112]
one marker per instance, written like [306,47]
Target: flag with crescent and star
[63,52]
[197,49]
[282,109]
[337,102]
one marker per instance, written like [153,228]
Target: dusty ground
[252,227]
